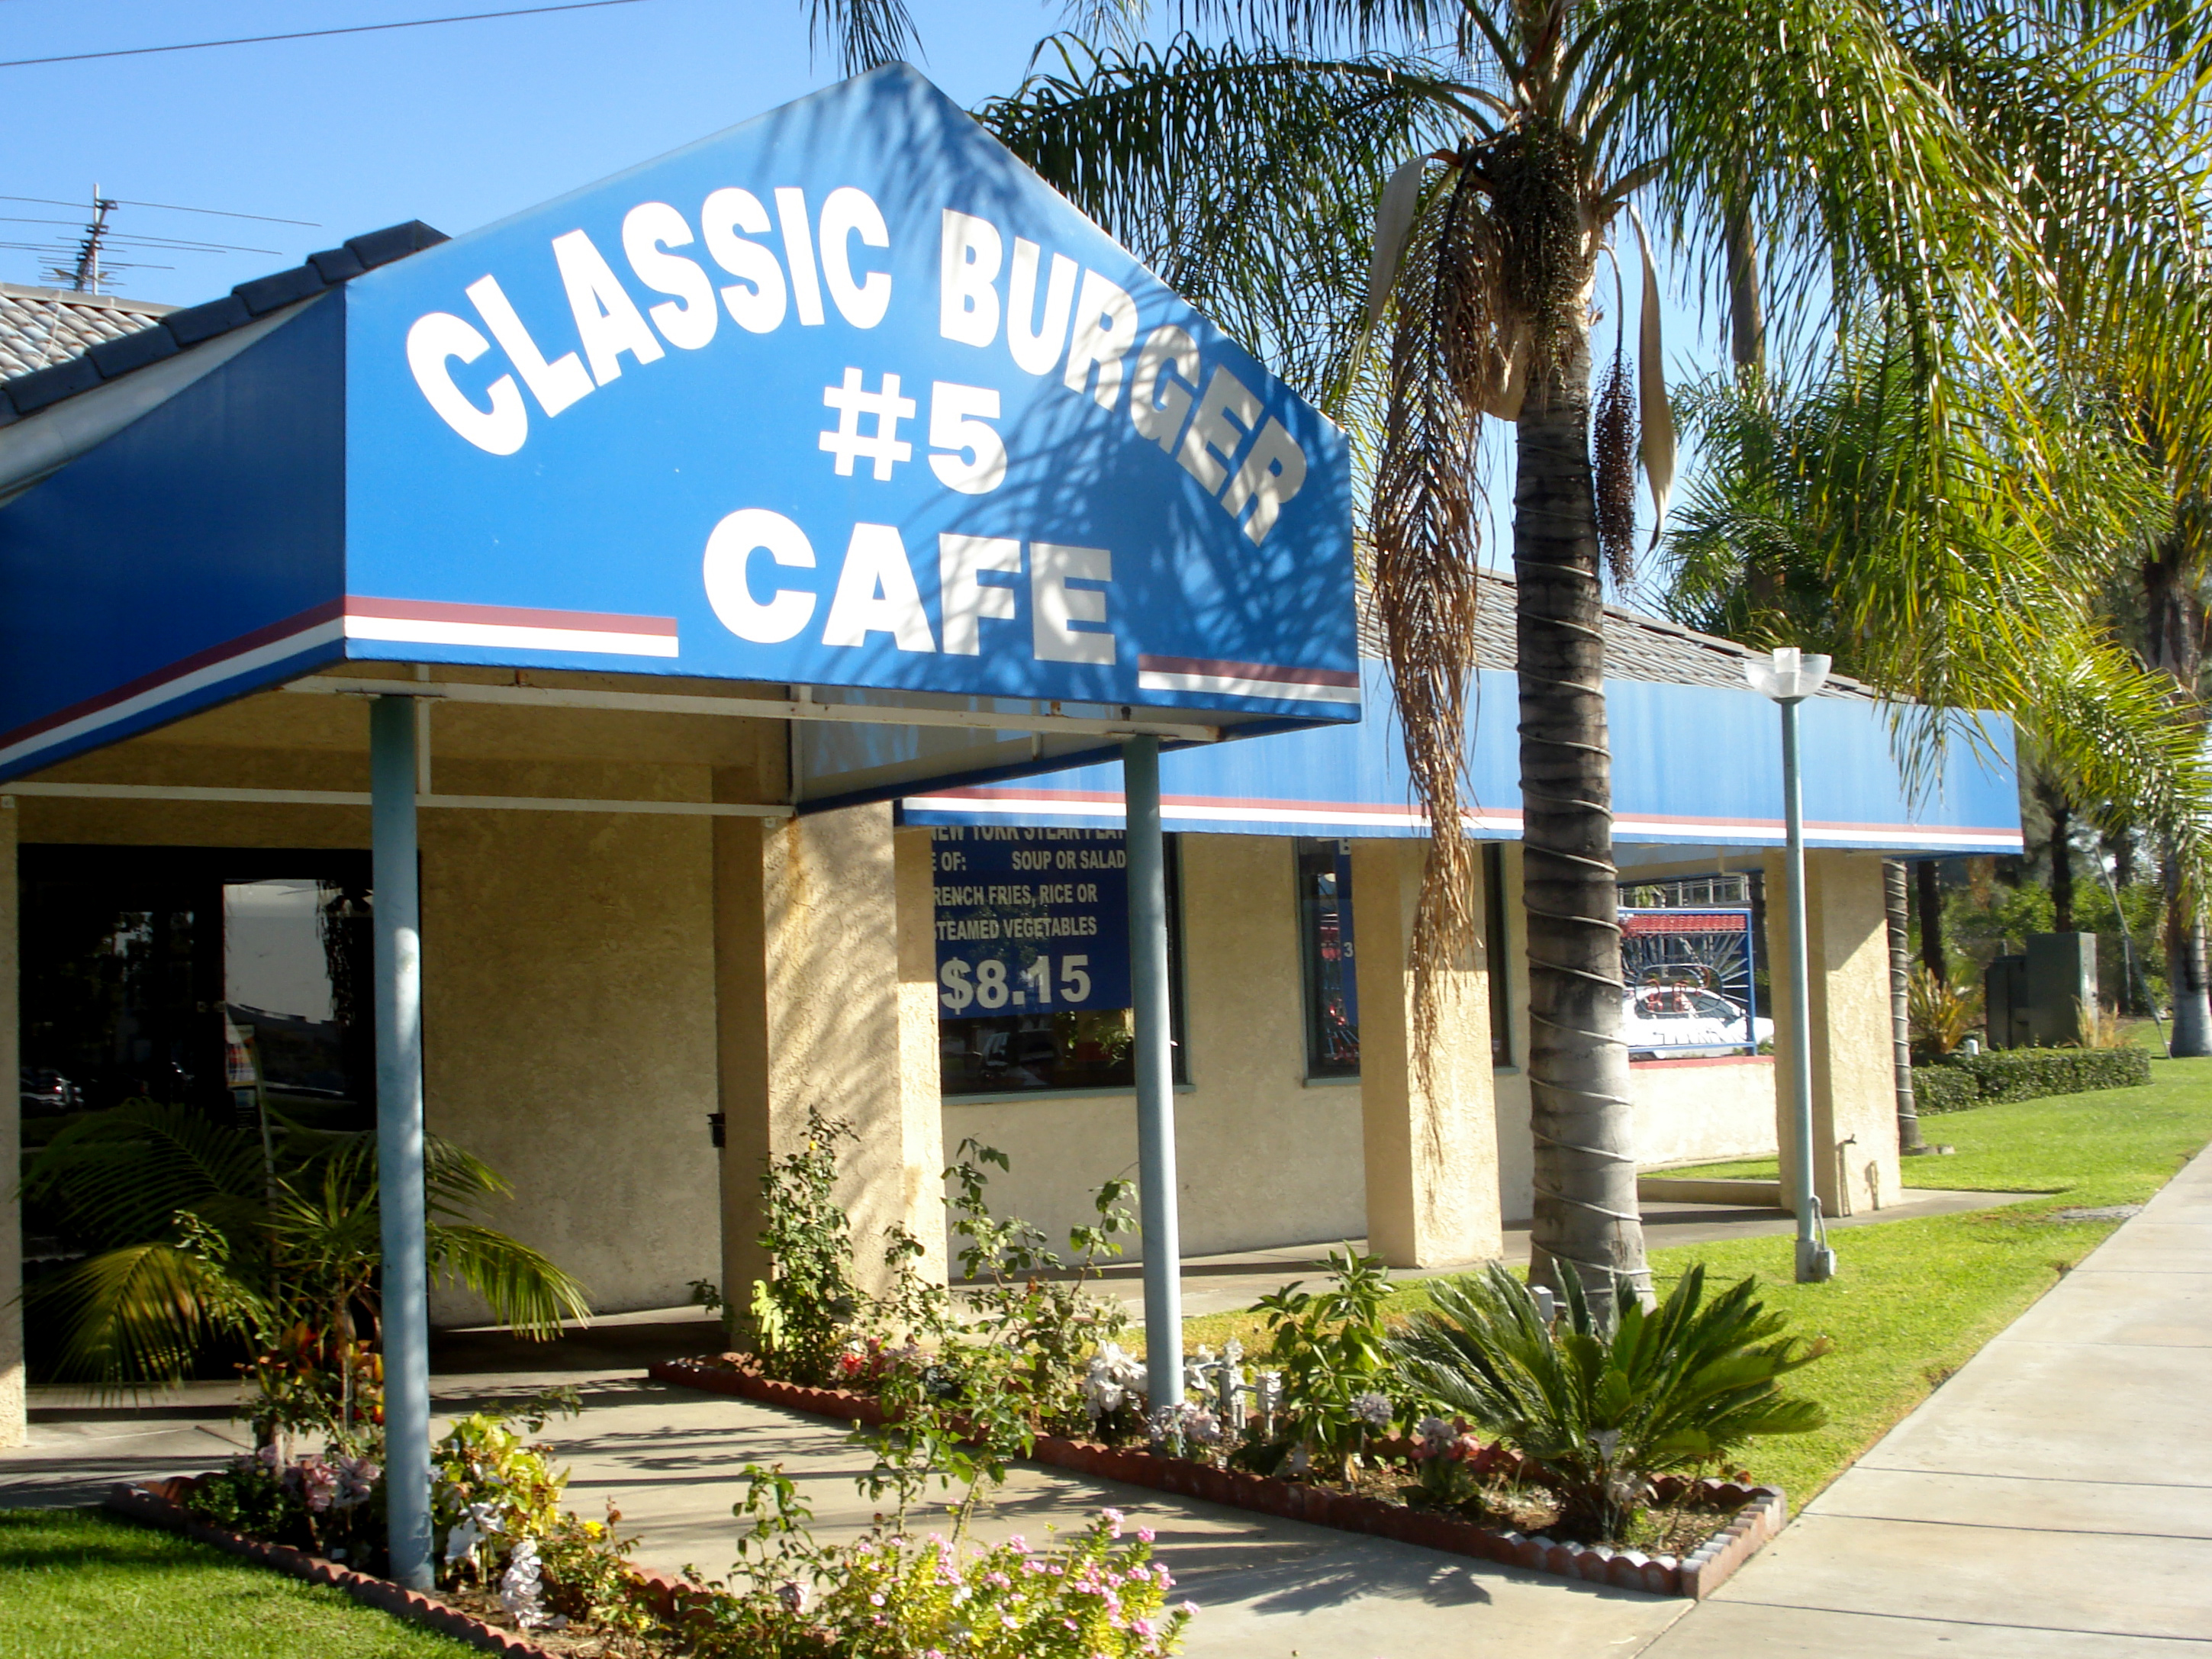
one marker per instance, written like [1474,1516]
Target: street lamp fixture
[1789,676]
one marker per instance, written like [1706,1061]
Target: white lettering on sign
[978,580]
[608,321]
[1085,327]
[877,593]
[886,448]
[968,304]
[1158,399]
[956,414]
[849,213]
[964,597]
[1055,609]
[730,550]
[757,299]
[1037,350]
[1091,336]
[1105,329]
[441,339]
[1226,414]
[649,230]
[799,253]
[556,385]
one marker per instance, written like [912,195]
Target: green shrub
[2006,1074]
[1680,1386]
[1943,1089]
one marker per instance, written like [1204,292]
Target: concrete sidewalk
[2053,1498]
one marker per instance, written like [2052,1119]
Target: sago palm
[1603,1406]
[201,1231]
[1507,146]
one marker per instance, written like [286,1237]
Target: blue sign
[842,398]
[1029,922]
[845,396]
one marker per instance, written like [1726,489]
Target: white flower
[1372,1409]
[520,1589]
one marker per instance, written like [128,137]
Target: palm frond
[863,33]
[522,1286]
[138,1316]
[120,1175]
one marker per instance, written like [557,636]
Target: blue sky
[459,126]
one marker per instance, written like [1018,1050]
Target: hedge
[1959,1081]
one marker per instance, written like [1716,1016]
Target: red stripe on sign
[311,617]
[1245,671]
[508,616]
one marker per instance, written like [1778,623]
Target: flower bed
[161,1504]
[1745,1516]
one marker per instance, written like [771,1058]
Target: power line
[313,34]
[166,207]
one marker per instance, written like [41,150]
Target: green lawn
[1913,1300]
[77,1585]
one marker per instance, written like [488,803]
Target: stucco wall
[568,1023]
[1701,1111]
[1262,1158]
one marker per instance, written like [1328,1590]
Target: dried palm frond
[1612,444]
[1427,515]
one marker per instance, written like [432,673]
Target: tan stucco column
[814,1010]
[1854,1084]
[11,1144]
[1431,1151]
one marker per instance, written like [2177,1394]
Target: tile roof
[1636,646]
[43,326]
[55,343]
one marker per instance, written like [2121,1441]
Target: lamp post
[1788,678]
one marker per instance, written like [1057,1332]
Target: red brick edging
[1760,1510]
[159,1504]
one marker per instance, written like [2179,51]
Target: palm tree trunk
[1586,1216]
[2062,867]
[1933,956]
[1909,1143]
[2173,625]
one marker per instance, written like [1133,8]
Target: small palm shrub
[1941,1016]
[1679,1387]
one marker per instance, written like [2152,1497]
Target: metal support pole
[1156,1141]
[397,912]
[1815,1261]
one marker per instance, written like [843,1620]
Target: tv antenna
[87,264]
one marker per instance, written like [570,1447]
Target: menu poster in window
[1030,920]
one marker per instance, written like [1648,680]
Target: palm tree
[1508,146]
[201,1232]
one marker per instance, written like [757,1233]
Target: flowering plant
[329,1503]
[889,1597]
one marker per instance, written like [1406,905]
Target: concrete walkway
[2053,1498]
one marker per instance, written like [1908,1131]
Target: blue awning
[843,402]
[1695,771]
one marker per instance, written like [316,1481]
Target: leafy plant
[1677,1387]
[1332,1351]
[491,1488]
[885,1596]
[800,1314]
[1941,1015]
[203,1231]
[1042,1322]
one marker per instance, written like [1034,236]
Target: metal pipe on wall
[406,1318]
[1155,1066]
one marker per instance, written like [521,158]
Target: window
[230,980]
[1033,960]
[1332,978]
[1494,948]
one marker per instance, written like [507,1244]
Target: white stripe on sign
[1227,686]
[513,635]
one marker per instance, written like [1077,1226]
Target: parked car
[1685,1022]
[45,1092]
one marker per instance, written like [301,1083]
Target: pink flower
[1145,1535]
[876,1600]
[1189,1609]
[1113,1518]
